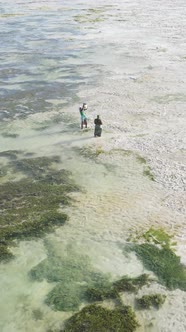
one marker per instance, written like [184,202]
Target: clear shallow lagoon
[52,54]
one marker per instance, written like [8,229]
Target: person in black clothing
[98,128]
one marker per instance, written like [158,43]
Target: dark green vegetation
[5,254]
[127,284]
[158,236]
[9,135]
[111,290]
[68,267]
[101,290]
[29,207]
[37,314]
[10,154]
[148,301]
[65,297]
[96,318]
[147,172]
[77,280]
[164,263]
[89,152]
[140,159]
[74,275]
[158,256]
[101,294]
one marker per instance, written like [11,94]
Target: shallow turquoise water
[51,50]
[46,59]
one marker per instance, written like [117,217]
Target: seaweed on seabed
[100,288]
[96,294]
[5,254]
[148,301]
[74,274]
[65,297]
[127,284]
[10,154]
[30,206]
[96,318]
[147,172]
[35,167]
[164,263]
[33,228]
[158,236]
[111,290]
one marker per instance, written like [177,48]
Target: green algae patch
[10,154]
[147,172]
[148,301]
[158,236]
[10,135]
[164,263]
[37,168]
[5,254]
[37,314]
[158,256]
[112,291]
[93,154]
[65,268]
[89,152]
[77,280]
[30,207]
[96,318]
[3,172]
[127,284]
[74,275]
[99,151]
[101,294]
[25,201]
[65,297]
[140,159]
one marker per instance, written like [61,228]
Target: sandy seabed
[141,100]
[139,54]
